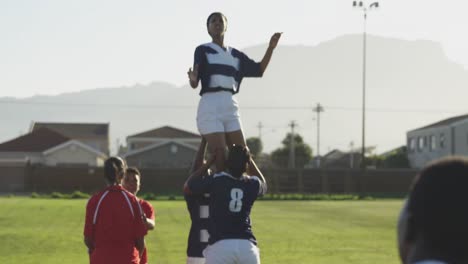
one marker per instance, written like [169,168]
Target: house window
[433,143]
[442,141]
[412,144]
[420,143]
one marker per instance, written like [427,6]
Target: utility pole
[260,126]
[318,109]
[351,154]
[292,152]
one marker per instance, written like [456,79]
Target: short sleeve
[200,185]
[199,59]
[249,68]
[260,186]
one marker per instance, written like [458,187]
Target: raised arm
[269,52]
[253,170]
[199,167]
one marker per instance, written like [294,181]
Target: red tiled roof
[76,130]
[166,132]
[36,141]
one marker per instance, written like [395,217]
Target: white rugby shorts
[218,112]
[232,251]
[194,260]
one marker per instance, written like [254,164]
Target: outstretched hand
[274,39]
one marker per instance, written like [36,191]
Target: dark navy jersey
[198,207]
[231,200]
[223,69]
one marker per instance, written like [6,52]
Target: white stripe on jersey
[97,207]
[204,211]
[223,58]
[204,235]
[218,80]
[220,174]
[129,204]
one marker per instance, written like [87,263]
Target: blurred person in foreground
[433,224]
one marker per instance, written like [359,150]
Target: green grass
[300,232]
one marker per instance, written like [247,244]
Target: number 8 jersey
[231,200]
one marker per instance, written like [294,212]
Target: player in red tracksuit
[131,183]
[114,230]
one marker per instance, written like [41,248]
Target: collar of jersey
[115,188]
[219,48]
[225,174]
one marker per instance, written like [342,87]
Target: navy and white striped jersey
[198,207]
[223,69]
[231,200]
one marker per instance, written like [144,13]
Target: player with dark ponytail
[114,229]
[114,170]
[232,195]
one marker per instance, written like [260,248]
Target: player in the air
[114,230]
[232,195]
[220,69]
[131,183]
[198,207]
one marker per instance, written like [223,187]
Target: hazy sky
[57,46]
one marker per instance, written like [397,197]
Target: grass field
[300,232]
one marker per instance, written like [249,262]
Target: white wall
[421,156]
[73,154]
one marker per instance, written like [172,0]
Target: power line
[266,107]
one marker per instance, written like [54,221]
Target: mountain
[409,84]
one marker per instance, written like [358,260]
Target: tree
[395,159]
[398,158]
[255,145]
[303,152]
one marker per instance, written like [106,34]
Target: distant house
[340,159]
[437,140]
[95,135]
[164,147]
[47,147]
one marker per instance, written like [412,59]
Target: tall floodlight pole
[365,8]
[318,109]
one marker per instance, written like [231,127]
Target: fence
[170,181]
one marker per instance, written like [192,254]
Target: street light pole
[318,109]
[364,8]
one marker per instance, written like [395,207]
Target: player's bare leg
[217,146]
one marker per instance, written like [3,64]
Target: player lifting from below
[232,195]
[198,207]
[220,69]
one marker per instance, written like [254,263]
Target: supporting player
[232,195]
